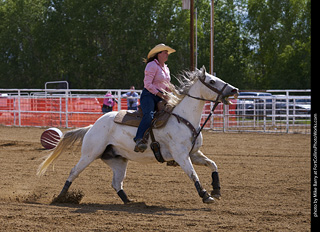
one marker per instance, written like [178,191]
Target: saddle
[134,117]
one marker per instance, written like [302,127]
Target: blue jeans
[148,103]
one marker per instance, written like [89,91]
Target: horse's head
[222,89]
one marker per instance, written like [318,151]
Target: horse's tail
[69,138]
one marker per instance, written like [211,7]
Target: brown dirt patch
[265,182]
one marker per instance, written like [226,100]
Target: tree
[259,44]
[280,35]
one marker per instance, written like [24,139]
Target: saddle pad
[133,118]
[129,117]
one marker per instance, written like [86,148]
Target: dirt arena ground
[265,182]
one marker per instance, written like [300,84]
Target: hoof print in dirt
[73,197]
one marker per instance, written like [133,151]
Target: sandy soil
[265,182]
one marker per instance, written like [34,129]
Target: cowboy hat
[159,48]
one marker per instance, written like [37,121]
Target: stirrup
[155,146]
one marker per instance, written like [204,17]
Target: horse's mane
[186,79]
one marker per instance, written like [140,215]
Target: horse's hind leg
[198,158]
[118,165]
[75,171]
[89,153]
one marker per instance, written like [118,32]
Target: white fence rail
[285,113]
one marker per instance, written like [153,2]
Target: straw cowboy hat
[159,48]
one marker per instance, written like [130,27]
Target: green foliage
[281,32]
[259,44]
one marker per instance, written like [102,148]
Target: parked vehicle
[296,106]
[253,103]
[261,104]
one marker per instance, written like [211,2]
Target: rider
[157,75]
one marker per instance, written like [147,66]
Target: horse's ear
[203,69]
[203,72]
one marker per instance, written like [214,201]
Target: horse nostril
[234,91]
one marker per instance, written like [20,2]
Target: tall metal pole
[191,35]
[212,38]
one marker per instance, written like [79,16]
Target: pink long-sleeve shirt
[156,77]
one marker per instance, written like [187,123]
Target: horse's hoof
[73,197]
[216,194]
[172,163]
[129,201]
[208,200]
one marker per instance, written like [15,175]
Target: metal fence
[278,113]
[286,113]
[55,107]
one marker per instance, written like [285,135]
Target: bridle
[155,146]
[214,89]
[216,103]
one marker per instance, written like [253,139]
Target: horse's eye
[212,82]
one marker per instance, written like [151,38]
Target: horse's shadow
[72,200]
[135,207]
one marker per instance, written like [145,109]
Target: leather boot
[141,145]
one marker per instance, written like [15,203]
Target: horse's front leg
[198,158]
[187,166]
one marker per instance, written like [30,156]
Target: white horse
[113,143]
